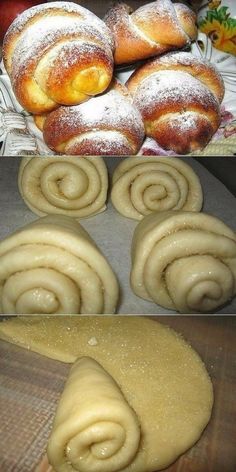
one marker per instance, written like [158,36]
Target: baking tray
[113,232]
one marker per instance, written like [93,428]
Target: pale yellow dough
[160,376]
[142,185]
[53,266]
[71,186]
[94,428]
[184,261]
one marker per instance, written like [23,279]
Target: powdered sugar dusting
[172,87]
[49,29]
[110,110]
[101,142]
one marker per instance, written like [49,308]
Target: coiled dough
[52,266]
[59,185]
[184,261]
[161,377]
[142,185]
[95,429]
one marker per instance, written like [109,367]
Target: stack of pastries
[61,60]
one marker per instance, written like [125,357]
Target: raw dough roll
[59,185]
[162,378]
[52,266]
[142,185]
[95,430]
[184,261]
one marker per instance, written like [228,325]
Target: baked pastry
[179,98]
[52,266]
[64,185]
[151,30]
[184,261]
[57,53]
[106,125]
[161,377]
[94,426]
[142,185]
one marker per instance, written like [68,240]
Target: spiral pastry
[184,261]
[59,185]
[52,266]
[57,53]
[142,185]
[95,429]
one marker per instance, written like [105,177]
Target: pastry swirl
[142,185]
[52,266]
[184,261]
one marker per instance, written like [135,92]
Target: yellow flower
[221,30]
[214,4]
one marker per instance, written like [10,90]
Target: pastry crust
[57,53]
[151,30]
[106,125]
[179,98]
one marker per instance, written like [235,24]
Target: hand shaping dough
[57,53]
[151,30]
[142,185]
[95,429]
[58,185]
[53,266]
[184,261]
[161,377]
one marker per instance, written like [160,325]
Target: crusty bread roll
[52,266]
[179,98]
[142,185]
[64,185]
[57,53]
[151,30]
[184,261]
[106,125]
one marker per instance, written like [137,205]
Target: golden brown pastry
[57,53]
[184,261]
[179,98]
[142,185]
[94,428]
[64,185]
[151,30]
[106,125]
[161,377]
[52,266]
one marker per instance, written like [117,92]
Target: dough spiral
[95,430]
[184,261]
[72,186]
[142,185]
[57,53]
[52,266]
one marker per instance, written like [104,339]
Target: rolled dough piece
[184,261]
[53,266]
[142,185]
[94,428]
[64,185]
[161,377]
